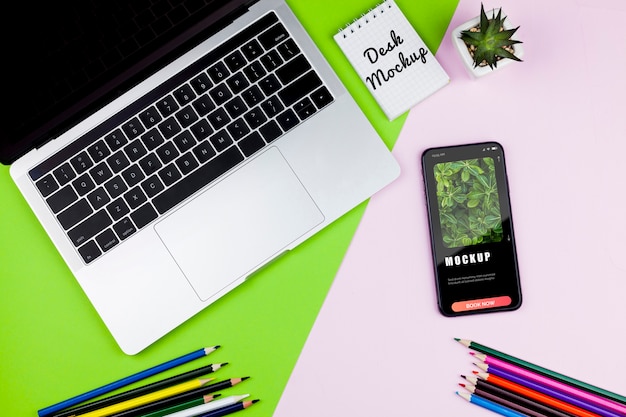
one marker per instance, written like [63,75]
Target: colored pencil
[579,402]
[530,393]
[504,402]
[229,409]
[146,389]
[147,398]
[181,398]
[544,371]
[44,412]
[183,406]
[490,405]
[491,362]
[482,387]
[205,408]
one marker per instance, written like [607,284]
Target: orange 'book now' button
[482,303]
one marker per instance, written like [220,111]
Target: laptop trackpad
[239,224]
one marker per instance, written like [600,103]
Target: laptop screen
[65,59]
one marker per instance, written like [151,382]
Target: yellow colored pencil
[148,398]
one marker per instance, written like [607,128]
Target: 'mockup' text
[381,76]
[472,258]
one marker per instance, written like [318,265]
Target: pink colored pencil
[548,382]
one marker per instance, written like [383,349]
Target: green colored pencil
[551,374]
[178,407]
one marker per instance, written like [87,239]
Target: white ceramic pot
[467,58]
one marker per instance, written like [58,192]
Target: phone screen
[471,229]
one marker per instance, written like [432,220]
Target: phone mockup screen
[471,229]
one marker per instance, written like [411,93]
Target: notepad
[391,58]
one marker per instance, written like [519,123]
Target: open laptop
[170,150]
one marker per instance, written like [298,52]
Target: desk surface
[52,343]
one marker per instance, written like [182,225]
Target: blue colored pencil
[125,381]
[490,405]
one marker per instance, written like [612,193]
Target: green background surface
[54,346]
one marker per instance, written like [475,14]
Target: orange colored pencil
[535,395]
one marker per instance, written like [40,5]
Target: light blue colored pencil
[490,405]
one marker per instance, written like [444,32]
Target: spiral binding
[359,22]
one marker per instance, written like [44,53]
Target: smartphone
[471,229]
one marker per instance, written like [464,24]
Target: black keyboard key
[135,197]
[167,152]
[116,140]
[201,130]
[143,215]
[186,163]
[89,228]
[152,139]
[255,118]
[218,72]
[237,83]
[270,131]
[124,228]
[273,36]
[117,209]
[74,214]
[287,119]
[201,83]
[89,251]
[61,199]
[169,128]
[116,186]
[167,106]
[150,117]
[321,97]
[235,107]
[150,164]
[98,198]
[186,116]
[204,151]
[300,88]
[271,60]
[235,61]
[132,175]
[118,161]
[152,186]
[81,162]
[254,71]
[83,184]
[221,140]
[133,128]
[251,143]
[100,173]
[107,239]
[47,185]
[184,94]
[272,106]
[238,129]
[288,49]
[98,151]
[64,174]
[252,50]
[197,179]
[269,84]
[253,96]
[218,118]
[169,175]
[220,94]
[135,150]
[293,69]
[184,141]
[203,105]
[304,108]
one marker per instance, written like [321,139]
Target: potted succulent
[485,43]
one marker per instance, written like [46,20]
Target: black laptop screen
[64,59]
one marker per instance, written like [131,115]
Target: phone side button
[480,304]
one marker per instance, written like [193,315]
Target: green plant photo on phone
[469,205]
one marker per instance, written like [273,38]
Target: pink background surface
[379,346]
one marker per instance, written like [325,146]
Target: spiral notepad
[392,60]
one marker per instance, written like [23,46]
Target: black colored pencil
[180,398]
[229,409]
[481,387]
[136,392]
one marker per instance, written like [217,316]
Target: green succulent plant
[489,41]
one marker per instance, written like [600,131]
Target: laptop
[171,149]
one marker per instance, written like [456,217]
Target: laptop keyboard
[224,108]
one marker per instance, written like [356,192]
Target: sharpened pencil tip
[457,339]
[255,401]
[462,385]
[244,378]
